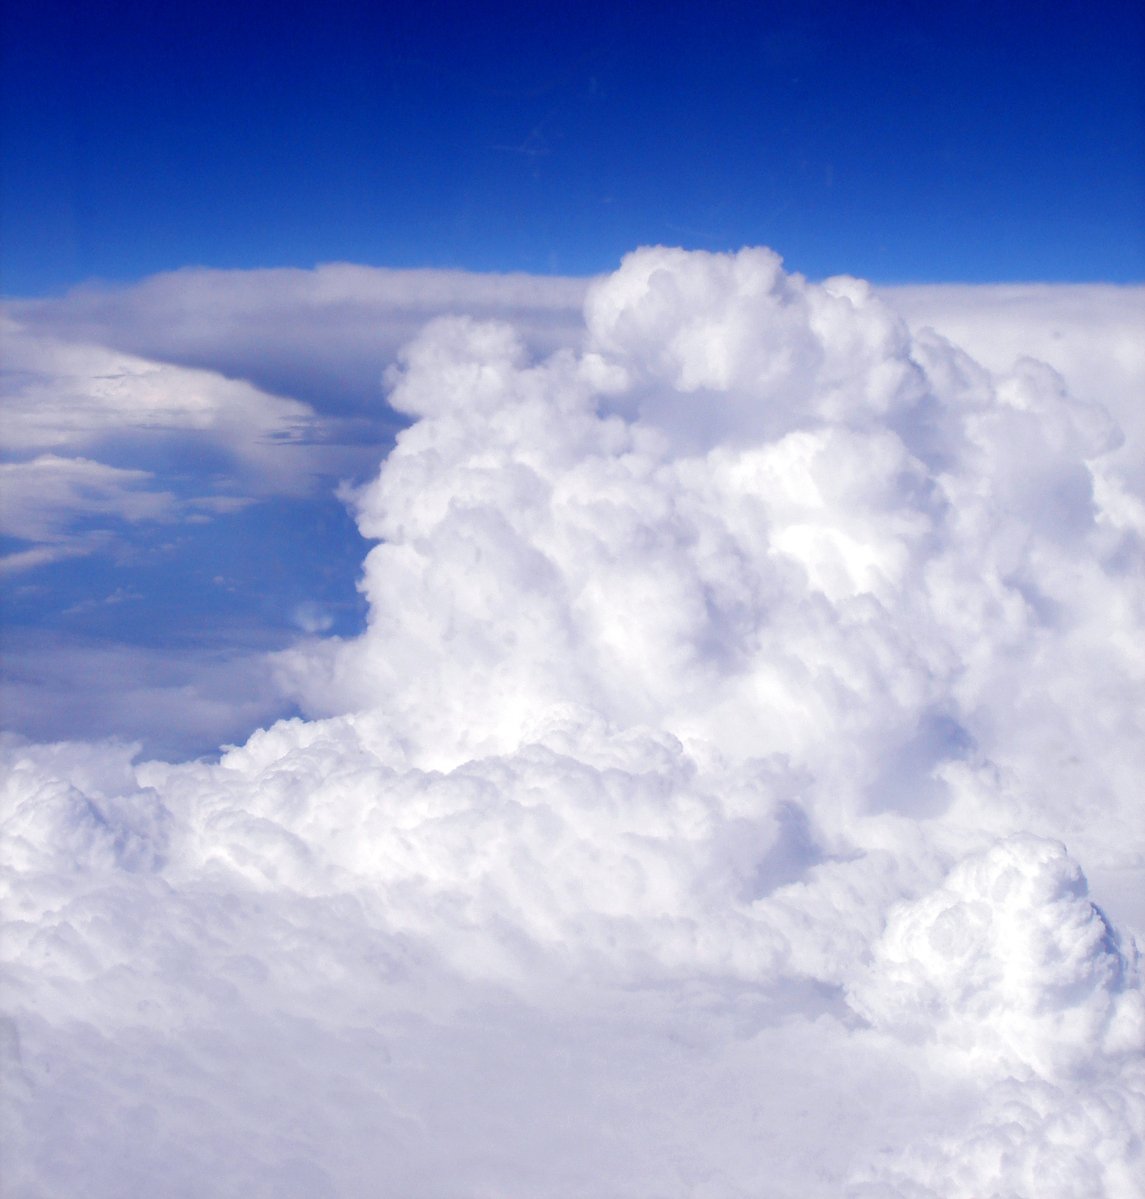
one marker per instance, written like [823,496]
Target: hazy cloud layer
[323,336]
[706,809]
[1094,336]
[65,402]
[178,697]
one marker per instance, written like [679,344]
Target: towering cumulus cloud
[706,809]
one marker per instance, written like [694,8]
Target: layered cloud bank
[705,810]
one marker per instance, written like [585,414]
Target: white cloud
[324,335]
[63,395]
[46,497]
[1016,982]
[1091,334]
[689,819]
[41,495]
[85,425]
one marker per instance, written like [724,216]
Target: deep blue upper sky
[978,141]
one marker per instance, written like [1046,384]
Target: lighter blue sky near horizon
[899,142]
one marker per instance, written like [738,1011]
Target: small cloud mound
[1016,981]
[1010,962]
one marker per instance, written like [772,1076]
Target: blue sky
[901,142]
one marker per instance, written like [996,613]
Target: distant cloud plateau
[730,785]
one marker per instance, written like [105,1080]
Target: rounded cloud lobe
[689,819]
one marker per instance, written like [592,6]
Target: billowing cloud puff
[774,349]
[1018,982]
[844,573]
[1008,961]
[690,819]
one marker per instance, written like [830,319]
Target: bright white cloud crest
[689,819]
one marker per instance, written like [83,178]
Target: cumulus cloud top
[689,819]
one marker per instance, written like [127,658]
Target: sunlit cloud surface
[731,788]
